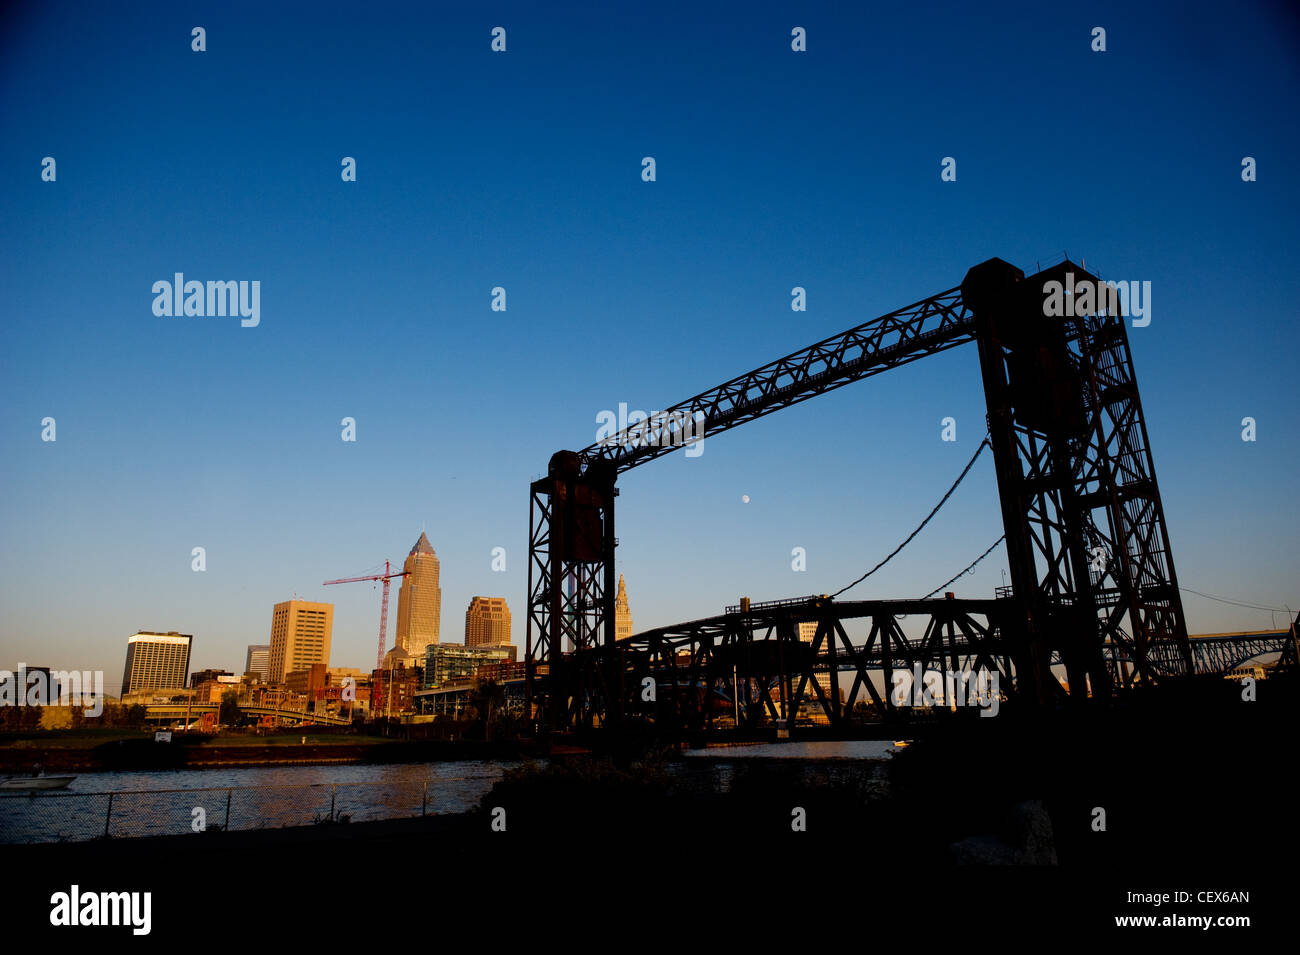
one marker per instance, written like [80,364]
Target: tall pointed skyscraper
[622,614]
[419,602]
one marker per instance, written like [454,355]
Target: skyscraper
[419,602]
[157,661]
[259,661]
[300,636]
[622,614]
[487,622]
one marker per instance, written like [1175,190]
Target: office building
[157,661]
[300,636]
[214,685]
[307,680]
[338,676]
[203,676]
[393,689]
[259,661]
[419,601]
[446,661]
[487,622]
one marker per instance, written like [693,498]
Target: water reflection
[845,749]
[177,801]
[172,802]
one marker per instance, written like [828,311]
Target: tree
[229,712]
[485,696]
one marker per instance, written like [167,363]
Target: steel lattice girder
[923,328]
[695,663]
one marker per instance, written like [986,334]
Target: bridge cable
[1235,603]
[969,567]
[942,501]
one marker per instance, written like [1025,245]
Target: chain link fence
[77,817]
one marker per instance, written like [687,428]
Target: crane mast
[386,577]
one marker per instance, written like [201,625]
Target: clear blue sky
[522,170]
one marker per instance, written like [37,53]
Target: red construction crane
[386,576]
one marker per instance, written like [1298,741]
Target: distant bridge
[452,699]
[284,713]
[1221,652]
[189,712]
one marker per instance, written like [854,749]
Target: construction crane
[386,576]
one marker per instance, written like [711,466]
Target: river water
[848,749]
[187,800]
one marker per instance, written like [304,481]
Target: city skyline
[284,612]
[620,291]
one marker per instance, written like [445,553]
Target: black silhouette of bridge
[1093,586]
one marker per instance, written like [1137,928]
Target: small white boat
[34,783]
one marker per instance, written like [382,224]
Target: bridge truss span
[923,328]
[752,665]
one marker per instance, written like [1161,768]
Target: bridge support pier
[571,592]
